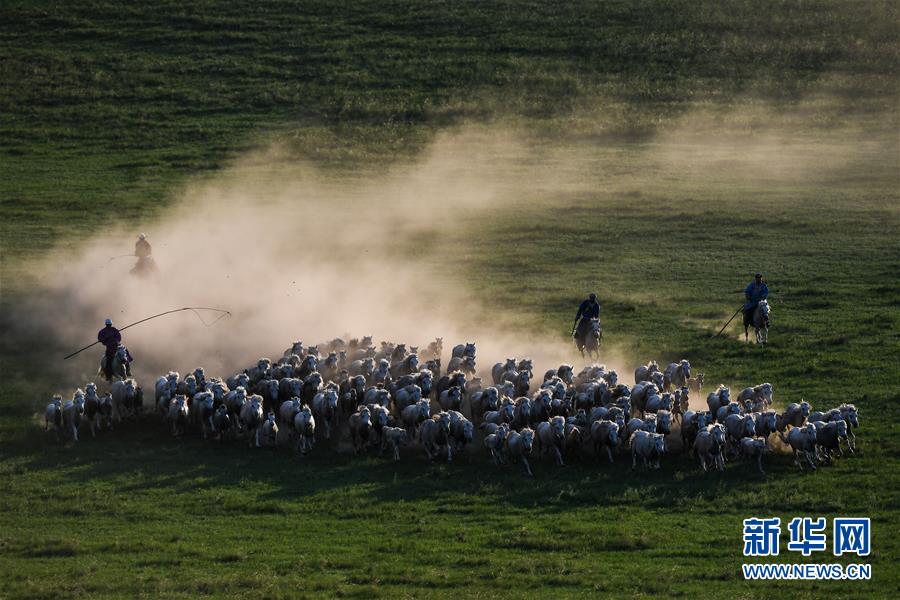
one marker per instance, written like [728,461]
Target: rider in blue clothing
[589,309]
[757,290]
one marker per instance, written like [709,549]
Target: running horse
[121,365]
[760,323]
[590,340]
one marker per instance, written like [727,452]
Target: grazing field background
[658,152]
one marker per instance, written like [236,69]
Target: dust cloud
[299,254]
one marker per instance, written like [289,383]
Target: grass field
[111,109]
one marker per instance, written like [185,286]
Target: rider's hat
[592,296]
[109,321]
[758,275]
[141,236]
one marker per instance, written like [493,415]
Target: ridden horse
[590,340]
[121,367]
[760,323]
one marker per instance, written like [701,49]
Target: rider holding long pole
[110,337]
[754,292]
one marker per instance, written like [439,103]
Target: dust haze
[298,254]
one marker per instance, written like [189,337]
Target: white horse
[676,374]
[590,342]
[760,323]
[120,369]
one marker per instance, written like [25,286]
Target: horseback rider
[589,309]
[144,265]
[142,247]
[110,337]
[754,292]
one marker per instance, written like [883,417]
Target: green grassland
[108,109]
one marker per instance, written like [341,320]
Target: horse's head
[841,427]
[810,431]
[718,433]
[703,418]
[443,421]
[314,379]
[508,411]
[763,310]
[749,426]
[527,439]
[424,409]
[724,394]
[849,412]
[558,425]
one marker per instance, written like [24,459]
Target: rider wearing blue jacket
[757,290]
[589,309]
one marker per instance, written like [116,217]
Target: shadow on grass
[141,457]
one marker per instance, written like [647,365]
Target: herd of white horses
[388,397]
